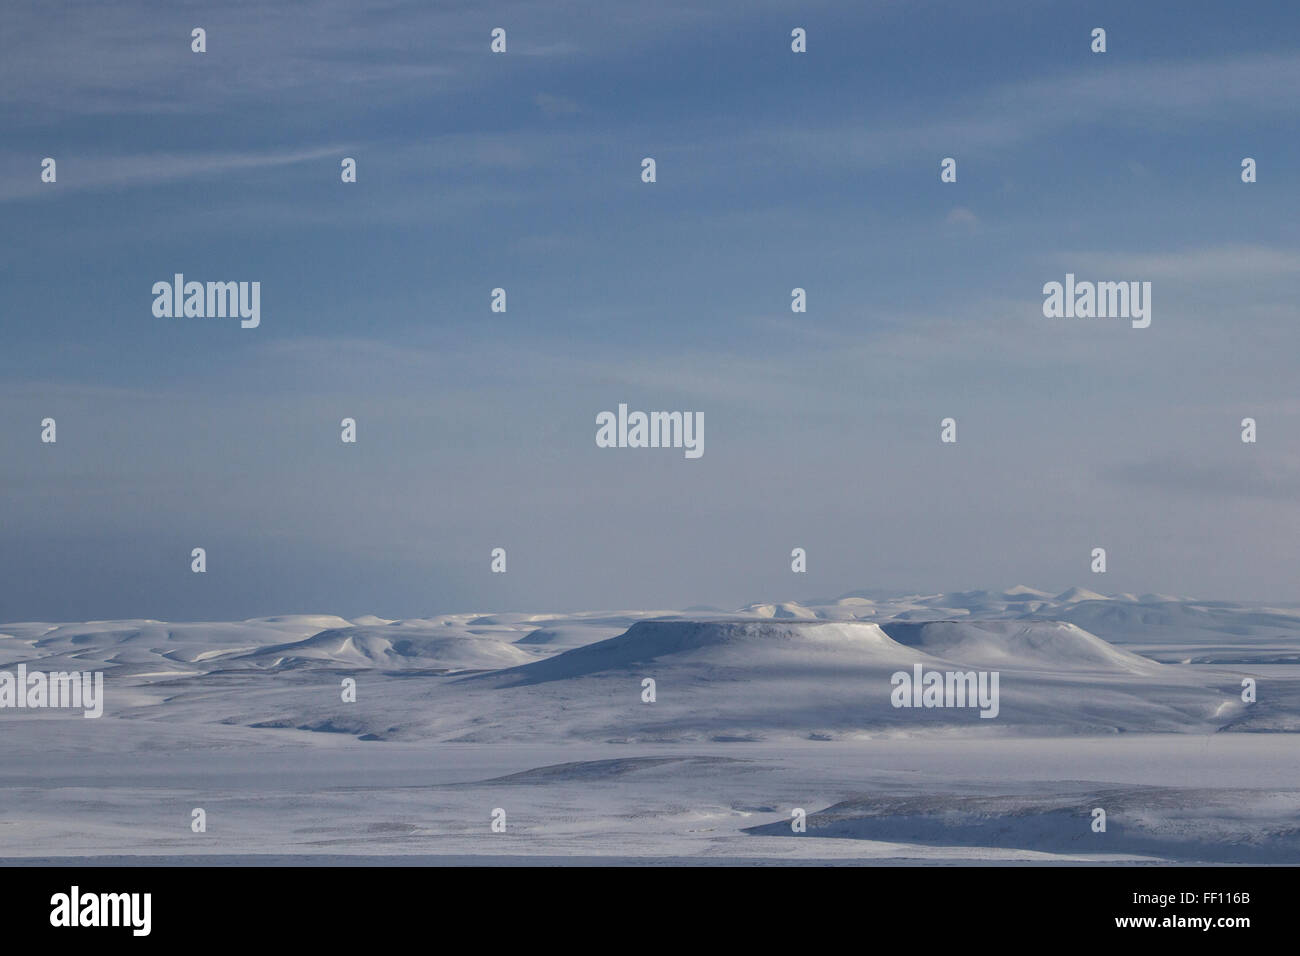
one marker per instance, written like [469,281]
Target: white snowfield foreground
[1133,705]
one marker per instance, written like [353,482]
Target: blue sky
[775,170]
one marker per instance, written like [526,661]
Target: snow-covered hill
[753,711]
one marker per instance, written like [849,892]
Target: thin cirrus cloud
[1230,262]
[151,169]
[1229,84]
[135,57]
[1010,115]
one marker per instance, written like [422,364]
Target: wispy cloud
[89,172]
[1203,264]
[134,57]
[1009,115]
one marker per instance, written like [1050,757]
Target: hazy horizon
[702,610]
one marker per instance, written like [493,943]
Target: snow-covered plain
[1128,703]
